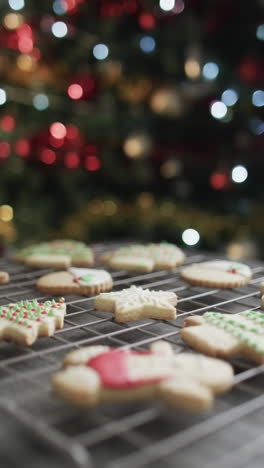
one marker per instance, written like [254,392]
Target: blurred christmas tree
[123,117]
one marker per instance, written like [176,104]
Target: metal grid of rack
[132,435]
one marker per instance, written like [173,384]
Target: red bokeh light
[56,142]
[218,180]
[25,45]
[58,130]
[4,149]
[72,132]
[75,91]
[36,53]
[24,31]
[146,20]
[92,163]
[8,123]
[72,160]
[22,148]
[47,156]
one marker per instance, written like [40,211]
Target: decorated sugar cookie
[25,321]
[145,258]
[57,254]
[136,303]
[217,274]
[4,277]
[227,335]
[76,281]
[99,374]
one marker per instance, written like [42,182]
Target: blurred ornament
[171,168]
[135,90]
[137,146]
[13,20]
[167,101]
[251,70]
[110,72]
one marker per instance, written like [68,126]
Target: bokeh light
[25,62]
[16,4]
[219,180]
[239,174]
[210,70]
[192,68]
[92,163]
[6,213]
[8,123]
[60,7]
[72,160]
[59,29]
[13,20]
[147,44]
[190,236]
[100,51]
[22,148]
[258,98]
[47,156]
[58,130]
[229,97]
[75,91]
[2,96]
[146,20]
[167,5]
[4,149]
[218,110]
[41,101]
[260,32]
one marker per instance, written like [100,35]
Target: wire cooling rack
[132,435]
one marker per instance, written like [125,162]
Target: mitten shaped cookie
[98,374]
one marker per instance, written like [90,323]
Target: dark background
[144,141]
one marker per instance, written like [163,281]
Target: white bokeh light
[218,110]
[167,5]
[16,4]
[2,96]
[41,101]
[210,70]
[239,174]
[258,98]
[100,51]
[190,236]
[229,97]
[59,29]
[260,32]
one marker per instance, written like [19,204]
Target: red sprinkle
[75,280]
[20,322]
[54,306]
[44,312]
[29,326]
[38,320]
[33,310]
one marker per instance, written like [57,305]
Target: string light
[59,29]
[6,213]
[239,174]
[192,68]
[13,20]
[229,97]
[41,101]
[167,5]
[210,71]
[75,91]
[260,32]
[190,236]
[58,130]
[258,98]
[218,110]
[16,4]
[100,51]
[2,96]
[147,44]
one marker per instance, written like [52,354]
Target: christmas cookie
[56,254]
[25,321]
[136,303]
[76,281]
[97,374]
[217,274]
[227,335]
[145,258]
[4,277]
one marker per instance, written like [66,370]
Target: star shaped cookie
[136,303]
[25,321]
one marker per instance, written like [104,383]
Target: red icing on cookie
[112,368]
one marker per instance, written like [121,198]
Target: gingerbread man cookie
[227,335]
[145,258]
[76,281]
[56,254]
[217,274]
[98,374]
[136,303]
[25,321]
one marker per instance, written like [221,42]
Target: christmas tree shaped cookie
[25,321]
